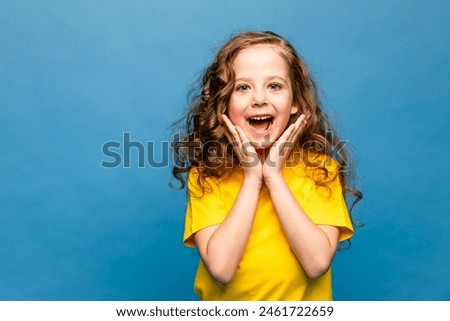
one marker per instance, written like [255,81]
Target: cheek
[235,111]
[234,116]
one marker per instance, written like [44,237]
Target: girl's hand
[245,151]
[280,150]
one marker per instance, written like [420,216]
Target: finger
[229,125]
[291,134]
[287,134]
[232,129]
[241,134]
[300,125]
[236,141]
[282,145]
[245,142]
[300,121]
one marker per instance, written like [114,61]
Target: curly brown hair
[204,143]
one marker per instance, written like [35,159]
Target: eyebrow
[270,77]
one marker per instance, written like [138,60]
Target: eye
[242,87]
[274,86]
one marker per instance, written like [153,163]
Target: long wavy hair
[202,141]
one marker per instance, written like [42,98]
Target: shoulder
[199,184]
[308,160]
[318,169]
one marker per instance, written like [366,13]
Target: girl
[266,207]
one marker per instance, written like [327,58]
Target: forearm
[312,246]
[226,245]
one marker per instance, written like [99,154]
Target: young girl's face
[262,99]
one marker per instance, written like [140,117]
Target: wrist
[273,181]
[253,181]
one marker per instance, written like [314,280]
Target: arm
[221,246]
[314,245]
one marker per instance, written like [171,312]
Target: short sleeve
[325,205]
[204,208]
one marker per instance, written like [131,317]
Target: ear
[294,109]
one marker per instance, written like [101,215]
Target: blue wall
[77,74]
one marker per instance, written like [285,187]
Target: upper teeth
[260,118]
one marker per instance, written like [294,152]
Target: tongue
[260,125]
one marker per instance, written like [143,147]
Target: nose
[259,98]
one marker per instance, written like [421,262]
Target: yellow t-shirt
[268,269]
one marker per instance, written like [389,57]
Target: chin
[266,138]
[262,142]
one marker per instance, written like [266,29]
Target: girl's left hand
[280,150]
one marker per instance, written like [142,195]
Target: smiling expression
[262,100]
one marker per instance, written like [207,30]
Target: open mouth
[261,123]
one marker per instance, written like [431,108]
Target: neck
[262,153]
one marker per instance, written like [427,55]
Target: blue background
[76,74]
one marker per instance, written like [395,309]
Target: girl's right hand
[245,151]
